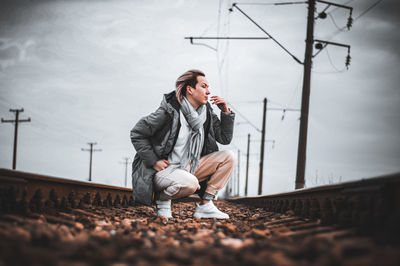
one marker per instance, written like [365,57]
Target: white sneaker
[209,210]
[164,208]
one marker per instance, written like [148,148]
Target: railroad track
[24,192]
[373,202]
[372,205]
[50,221]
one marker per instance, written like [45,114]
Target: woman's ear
[189,90]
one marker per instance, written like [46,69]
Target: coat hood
[170,103]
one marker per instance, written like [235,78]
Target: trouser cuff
[208,196]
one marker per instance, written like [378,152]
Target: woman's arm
[143,131]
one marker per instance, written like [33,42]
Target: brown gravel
[136,236]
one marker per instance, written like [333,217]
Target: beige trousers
[180,183]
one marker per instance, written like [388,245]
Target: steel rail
[22,190]
[367,203]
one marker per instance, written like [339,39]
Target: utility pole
[230,183]
[305,98]
[307,64]
[262,148]
[238,175]
[126,162]
[247,165]
[91,150]
[16,121]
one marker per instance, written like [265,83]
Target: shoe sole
[211,216]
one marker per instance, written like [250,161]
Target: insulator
[283,114]
[322,15]
[319,46]
[348,59]
[349,23]
[231,9]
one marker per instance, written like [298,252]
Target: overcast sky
[87,71]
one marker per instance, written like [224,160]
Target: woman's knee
[191,184]
[187,183]
[230,157]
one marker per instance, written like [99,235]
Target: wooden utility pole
[91,150]
[232,183]
[305,99]
[126,162]
[238,175]
[16,121]
[260,179]
[247,165]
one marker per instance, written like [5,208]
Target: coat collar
[171,104]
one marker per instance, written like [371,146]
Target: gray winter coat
[154,138]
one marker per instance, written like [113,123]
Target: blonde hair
[189,78]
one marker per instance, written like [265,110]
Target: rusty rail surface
[24,192]
[370,204]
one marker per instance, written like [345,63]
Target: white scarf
[195,119]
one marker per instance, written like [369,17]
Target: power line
[37,126]
[295,91]
[245,118]
[368,9]
[283,107]
[348,2]
[334,23]
[220,62]
[287,132]
[244,102]
[274,4]
[217,55]
[234,5]
[356,18]
[227,25]
[331,62]
[55,123]
[227,38]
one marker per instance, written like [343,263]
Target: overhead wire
[282,137]
[225,57]
[339,30]
[336,25]
[355,19]
[337,7]
[332,64]
[269,35]
[245,118]
[368,9]
[296,89]
[275,3]
[218,47]
[39,118]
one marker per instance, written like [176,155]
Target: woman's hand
[161,165]
[221,103]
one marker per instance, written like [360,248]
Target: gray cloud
[13,52]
